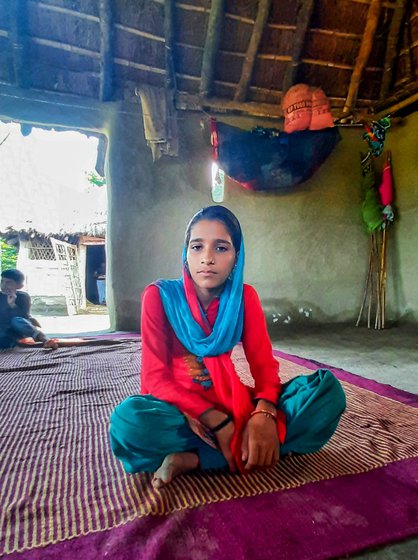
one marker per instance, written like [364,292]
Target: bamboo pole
[18,39]
[106,62]
[383,257]
[170,77]
[372,282]
[250,57]
[392,47]
[394,108]
[60,45]
[390,5]
[375,286]
[192,102]
[409,75]
[139,33]
[377,323]
[364,52]
[212,42]
[409,90]
[3,140]
[65,47]
[192,7]
[383,272]
[366,288]
[302,25]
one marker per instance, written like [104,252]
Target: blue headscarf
[226,331]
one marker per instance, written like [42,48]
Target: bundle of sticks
[374,297]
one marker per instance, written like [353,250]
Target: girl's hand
[224,437]
[212,418]
[260,442]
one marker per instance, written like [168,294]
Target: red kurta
[171,373]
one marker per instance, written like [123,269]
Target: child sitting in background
[15,319]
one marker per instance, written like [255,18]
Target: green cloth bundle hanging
[371,208]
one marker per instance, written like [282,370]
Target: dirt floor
[389,356]
[93,321]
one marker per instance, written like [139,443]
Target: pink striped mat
[59,480]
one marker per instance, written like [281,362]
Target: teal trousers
[144,429]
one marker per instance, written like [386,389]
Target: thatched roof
[96,235]
[229,55]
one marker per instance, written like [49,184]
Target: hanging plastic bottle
[218,184]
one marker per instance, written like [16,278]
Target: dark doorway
[96,255]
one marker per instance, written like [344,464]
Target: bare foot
[173,465]
[51,343]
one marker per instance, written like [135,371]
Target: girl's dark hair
[220,214]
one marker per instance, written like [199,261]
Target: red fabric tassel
[386,186]
[214,138]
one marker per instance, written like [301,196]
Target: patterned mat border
[138,535]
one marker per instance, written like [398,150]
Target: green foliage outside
[8,256]
[96,180]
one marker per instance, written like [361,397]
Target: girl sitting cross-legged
[194,411]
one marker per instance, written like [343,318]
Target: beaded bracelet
[222,424]
[267,413]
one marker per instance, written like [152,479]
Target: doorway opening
[54,212]
[95,270]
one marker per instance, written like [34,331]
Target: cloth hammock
[270,160]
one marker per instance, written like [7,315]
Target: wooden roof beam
[212,42]
[407,51]
[170,75]
[397,106]
[17,36]
[363,55]
[397,99]
[192,7]
[190,102]
[302,25]
[106,64]
[392,47]
[390,5]
[263,56]
[250,57]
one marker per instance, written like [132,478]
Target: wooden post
[248,66]
[363,55]
[213,39]
[18,38]
[392,47]
[302,25]
[170,76]
[106,67]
